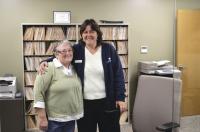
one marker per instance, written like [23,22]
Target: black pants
[95,114]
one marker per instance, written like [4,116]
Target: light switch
[144,49]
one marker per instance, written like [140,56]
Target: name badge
[78,61]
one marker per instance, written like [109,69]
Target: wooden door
[188,58]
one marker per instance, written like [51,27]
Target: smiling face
[89,36]
[90,33]
[64,53]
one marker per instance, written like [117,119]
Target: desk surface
[11,99]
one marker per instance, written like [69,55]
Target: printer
[7,87]
[160,68]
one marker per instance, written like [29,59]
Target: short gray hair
[65,41]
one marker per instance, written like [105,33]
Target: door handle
[181,67]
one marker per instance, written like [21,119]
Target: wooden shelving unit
[39,39]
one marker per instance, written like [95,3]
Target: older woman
[58,95]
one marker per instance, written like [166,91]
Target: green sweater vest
[61,94]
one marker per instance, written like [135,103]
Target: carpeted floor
[124,128]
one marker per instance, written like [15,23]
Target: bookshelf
[117,35]
[39,39]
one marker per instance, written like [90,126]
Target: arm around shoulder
[42,83]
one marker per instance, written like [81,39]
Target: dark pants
[95,114]
[54,126]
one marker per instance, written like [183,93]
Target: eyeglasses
[64,51]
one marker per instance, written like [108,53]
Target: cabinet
[117,35]
[11,115]
[38,43]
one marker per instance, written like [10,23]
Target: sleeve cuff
[39,104]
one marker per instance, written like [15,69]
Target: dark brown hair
[94,26]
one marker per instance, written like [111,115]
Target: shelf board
[37,55]
[29,71]
[32,114]
[28,86]
[44,40]
[29,100]
[115,39]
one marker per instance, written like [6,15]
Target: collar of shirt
[58,64]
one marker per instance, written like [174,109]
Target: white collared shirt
[58,64]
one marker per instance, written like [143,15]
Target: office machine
[7,87]
[161,68]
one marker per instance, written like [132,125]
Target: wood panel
[188,56]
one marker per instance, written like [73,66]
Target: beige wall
[150,22]
[188,4]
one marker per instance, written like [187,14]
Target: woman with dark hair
[99,68]
[94,26]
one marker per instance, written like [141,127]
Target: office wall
[188,4]
[150,22]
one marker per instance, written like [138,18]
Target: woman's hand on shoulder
[42,67]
